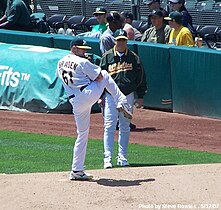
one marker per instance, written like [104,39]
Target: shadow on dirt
[122,183]
[150,165]
[146,129]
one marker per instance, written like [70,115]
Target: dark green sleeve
[103,63]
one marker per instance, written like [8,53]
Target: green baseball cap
[176,16]
[120,34]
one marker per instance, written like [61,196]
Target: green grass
[27,152]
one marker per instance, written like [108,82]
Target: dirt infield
[171,187]
[165,187]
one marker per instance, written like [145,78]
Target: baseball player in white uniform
[84,83]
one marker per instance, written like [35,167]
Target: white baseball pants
[82,104]
[111,116]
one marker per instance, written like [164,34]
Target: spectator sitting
[155,5]
[97,30]
[178,5]
[132,33]
[159,32]
[179,35]
[16,17]
[101,16]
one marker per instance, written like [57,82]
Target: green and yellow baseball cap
[120,34]
[176,16]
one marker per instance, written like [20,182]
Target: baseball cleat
[122,161]
[80,175]
[124,108]
[108,162]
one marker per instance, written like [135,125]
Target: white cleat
[80,175]
[122,161]
[124,108]
[108,162]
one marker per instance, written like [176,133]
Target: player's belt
[81,89]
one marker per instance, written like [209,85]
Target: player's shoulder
[106,35]
[133,56]
[67,57]
[73,58]
[185,30]
[132,53]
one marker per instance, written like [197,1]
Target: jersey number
[67,77]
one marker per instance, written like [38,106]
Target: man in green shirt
[101,16]
[16,17]
[97,30]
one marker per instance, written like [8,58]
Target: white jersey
[76,72]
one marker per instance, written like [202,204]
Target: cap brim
[121,37]
[173,1]
[102,13]
[84,47]
[167,18]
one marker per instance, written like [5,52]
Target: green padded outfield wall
[24,37]
[156,62]
[196,81]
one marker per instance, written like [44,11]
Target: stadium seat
[56,21]
[218,40]
[208,33]
[196,28]
[39,22]
[76,23]
[89,23]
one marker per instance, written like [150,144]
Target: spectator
[126,70]
[178,5]
[101,16]
[132,33]
[115,21]
[159,32]
[179,35]
[155,5]
[16,17]
[97,30]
